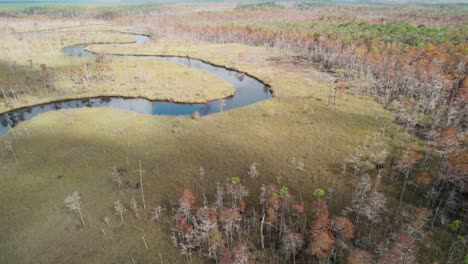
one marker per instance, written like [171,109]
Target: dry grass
[83,145]
[153,79]
[287,78]
[75,150]
[22,55]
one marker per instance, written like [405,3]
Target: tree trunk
[402,193]
[261,229]
[141,186]
[81,217]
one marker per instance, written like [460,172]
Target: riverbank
[48,75]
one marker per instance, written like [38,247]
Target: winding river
[248,90]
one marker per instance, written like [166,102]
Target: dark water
[248,90]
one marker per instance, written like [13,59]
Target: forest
[226,132]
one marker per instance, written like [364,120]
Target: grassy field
[34,70]
[287,78]
[75,150]
[153,79]
[65,151]
[359,89]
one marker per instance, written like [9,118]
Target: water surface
[248,90]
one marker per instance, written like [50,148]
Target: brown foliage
[299,208]
[271,215]
[101,68]
[359,256]
[240,255]
[408,159]
[320,207]
[424,179]
[449,134]
[405,250]
[343,229]
[321,238]
[320,244]
[269,198]
[183,214]
[187,198]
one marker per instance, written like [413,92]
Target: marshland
[225,132]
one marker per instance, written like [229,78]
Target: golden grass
[83,145]
[22,55]
[286,78]
[154,79]
[75,150]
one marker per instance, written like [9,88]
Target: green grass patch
[259,5]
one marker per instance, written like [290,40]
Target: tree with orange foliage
[445,142]
[184,212]
[423,179]
[270,204]
[270,201]
[343,229]
[321,239]
[101,69]
[320,244]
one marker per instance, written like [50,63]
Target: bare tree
[134,207]
[141,172]
[292,244]
[253,170]
[9,147]
[201,173]
[119,209]
[73,203]
[222,103]
[107,220]
[332,87]
[405,165]
[219,196]
[376,204]
[116,177]
[156,214]
[300,165]
[360,196]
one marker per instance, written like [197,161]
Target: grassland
[60,152]
[75,150]
[319,58]
[75,9]
[287,78]
[34,70]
